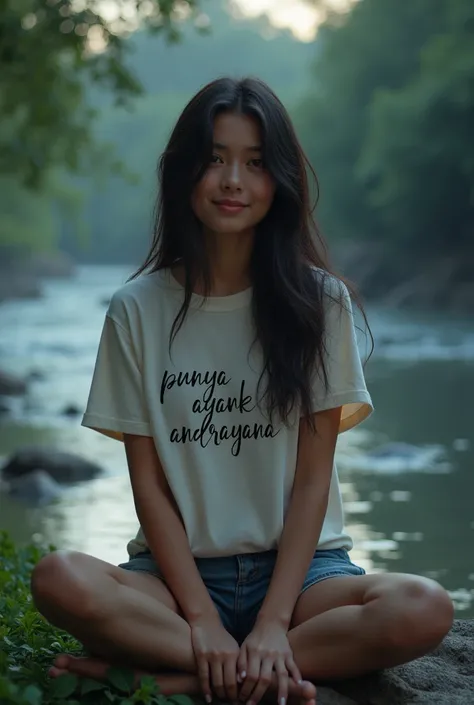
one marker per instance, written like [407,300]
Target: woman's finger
[230,678]
[203,674]
[217,679]
[282,676]
[264,681]
[242,665]
[293,670]
[251,679]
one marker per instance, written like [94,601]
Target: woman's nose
[232,177]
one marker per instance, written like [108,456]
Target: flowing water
[409,510]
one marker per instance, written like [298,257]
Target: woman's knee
[420,614]
[58,585]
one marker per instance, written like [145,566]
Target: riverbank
[22,276]
[436,283]
[442,283]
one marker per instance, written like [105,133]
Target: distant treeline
[383,102]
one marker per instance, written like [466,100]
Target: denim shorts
[238,584]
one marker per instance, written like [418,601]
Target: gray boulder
[444,677]
[36,488]
[11,385]
[62,467]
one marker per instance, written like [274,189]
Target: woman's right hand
[216,653]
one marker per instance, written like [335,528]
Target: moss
[28,645]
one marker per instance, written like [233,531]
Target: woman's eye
[258,163]
[215,159]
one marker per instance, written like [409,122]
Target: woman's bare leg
[116,614]
[349,626]
[122,617]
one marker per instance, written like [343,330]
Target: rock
[52,265]
[444,677]
[393,458]
[4,408]
[390,450]
[35,488]
[71,410]
[18,285]
[62,467]
[21,273]
[36,376]
[11,385]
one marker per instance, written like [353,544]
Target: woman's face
[236,192]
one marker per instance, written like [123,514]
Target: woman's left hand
[264,652]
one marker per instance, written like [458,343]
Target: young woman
[228,367]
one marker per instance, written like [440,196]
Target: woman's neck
[229,261]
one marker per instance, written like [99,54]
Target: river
[415,517]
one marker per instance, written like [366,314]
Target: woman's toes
[308,692]
[89,667]
[62,662]
[55,672]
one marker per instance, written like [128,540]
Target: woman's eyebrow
[254,148]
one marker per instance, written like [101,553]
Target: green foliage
[47,52]
[389,127]
[29,644]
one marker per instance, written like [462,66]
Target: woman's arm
[215,650]
[305,516]
[163,528]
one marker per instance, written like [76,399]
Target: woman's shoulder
[331,287]
[136,298]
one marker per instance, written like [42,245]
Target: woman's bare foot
[169,683]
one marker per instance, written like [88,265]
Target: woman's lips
[230,207]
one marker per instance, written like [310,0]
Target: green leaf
[89,685]
[64,686]
[149,682]
[121,679]
[32,695]
[181,700]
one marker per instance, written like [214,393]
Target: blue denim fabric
[238,584]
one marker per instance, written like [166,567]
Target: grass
[28,645]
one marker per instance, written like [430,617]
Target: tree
[418,159]
[374,46]
[49,50]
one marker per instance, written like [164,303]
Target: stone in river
[11,385]
[36,488]
[62,467]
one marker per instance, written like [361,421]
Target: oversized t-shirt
[229,468]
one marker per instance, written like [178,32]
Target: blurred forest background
[382,97]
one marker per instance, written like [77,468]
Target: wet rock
[71,410]
[52,265]
[4,408]
[36,488]
[62,467]
[18,285]
[391,450]
[36,376]
[11,385]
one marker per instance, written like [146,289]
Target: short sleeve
[116,402]
[345,376]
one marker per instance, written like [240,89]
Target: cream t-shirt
[230,470]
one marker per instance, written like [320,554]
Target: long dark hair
[288,307]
